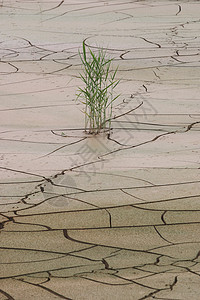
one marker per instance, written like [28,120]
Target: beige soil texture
[102,217]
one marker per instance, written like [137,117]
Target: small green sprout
[97,94]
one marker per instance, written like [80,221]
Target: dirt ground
[103,217]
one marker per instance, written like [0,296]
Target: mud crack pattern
[109,216]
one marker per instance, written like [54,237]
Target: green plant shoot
[97,94]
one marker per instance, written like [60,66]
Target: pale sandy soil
[90,218]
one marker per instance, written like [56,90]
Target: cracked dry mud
[100,217]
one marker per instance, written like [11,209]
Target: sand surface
[90,217]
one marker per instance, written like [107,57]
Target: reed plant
[98,92]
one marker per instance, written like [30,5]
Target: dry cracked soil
[102,217]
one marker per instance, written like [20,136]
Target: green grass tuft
[97,94]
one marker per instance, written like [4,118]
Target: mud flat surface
[105,217]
